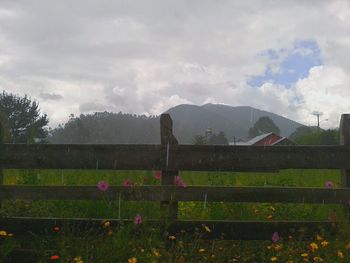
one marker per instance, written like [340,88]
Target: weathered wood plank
[74,156]
[2,133]
[345,140]
[180,157]
[238,230]
[249,158]
[191,193]
[168,209]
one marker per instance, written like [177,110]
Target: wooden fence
[170,157]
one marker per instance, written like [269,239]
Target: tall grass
[147,243]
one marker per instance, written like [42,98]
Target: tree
[199,140]
[263,125]
[300,132]
[22,118]
[322,137]
[219,139]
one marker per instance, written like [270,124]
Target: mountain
[188,121]
[192,120]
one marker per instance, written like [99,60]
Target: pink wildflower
[127,183]
[138,219]
[158,175]
[179,182]
[329,184]
[275,237]
[102,185]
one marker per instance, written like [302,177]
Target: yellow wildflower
[319,238]
[340,254]
[324,243]
[78,260]
[201,250]
[3,233]
[318,259]
[172,237]
[304,255]
[207,229]
[106,224]
[313,246]
[273,258]
[156,253]
[132,260]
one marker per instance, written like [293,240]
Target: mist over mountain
[191,120]
[188,121]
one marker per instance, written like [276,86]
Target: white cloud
[146,56]
[325,90]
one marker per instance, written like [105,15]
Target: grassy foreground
[145,243]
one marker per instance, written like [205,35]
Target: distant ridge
[189,121]
[192,120]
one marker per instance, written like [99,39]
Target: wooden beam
[180,157]
[235,230]
[2,134]
[75,156]
[169,207]
[258,158]
[345,140]
[191,193]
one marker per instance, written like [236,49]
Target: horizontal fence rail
[169,157]
[239,230]
[176,157]
[80,156]
[171,193]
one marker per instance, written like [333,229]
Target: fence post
[2,135]
[345,140]
[168,209]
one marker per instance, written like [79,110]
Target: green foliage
[214,139]
[218,139]
[22,118]
[106,127]
[148,243]
[300,132]
[322,137]
[199,140]
[263,125]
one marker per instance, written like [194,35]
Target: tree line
[23,122]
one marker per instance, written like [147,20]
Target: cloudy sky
[288,57]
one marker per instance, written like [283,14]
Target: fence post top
[344,129]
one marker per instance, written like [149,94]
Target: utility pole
[318,114]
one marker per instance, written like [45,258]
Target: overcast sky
[288,57]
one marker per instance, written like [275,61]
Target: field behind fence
[221,193]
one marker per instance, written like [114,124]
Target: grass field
[144,243]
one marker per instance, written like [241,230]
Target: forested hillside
[106,127]
[189,122]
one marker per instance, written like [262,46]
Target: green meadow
[146,243]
